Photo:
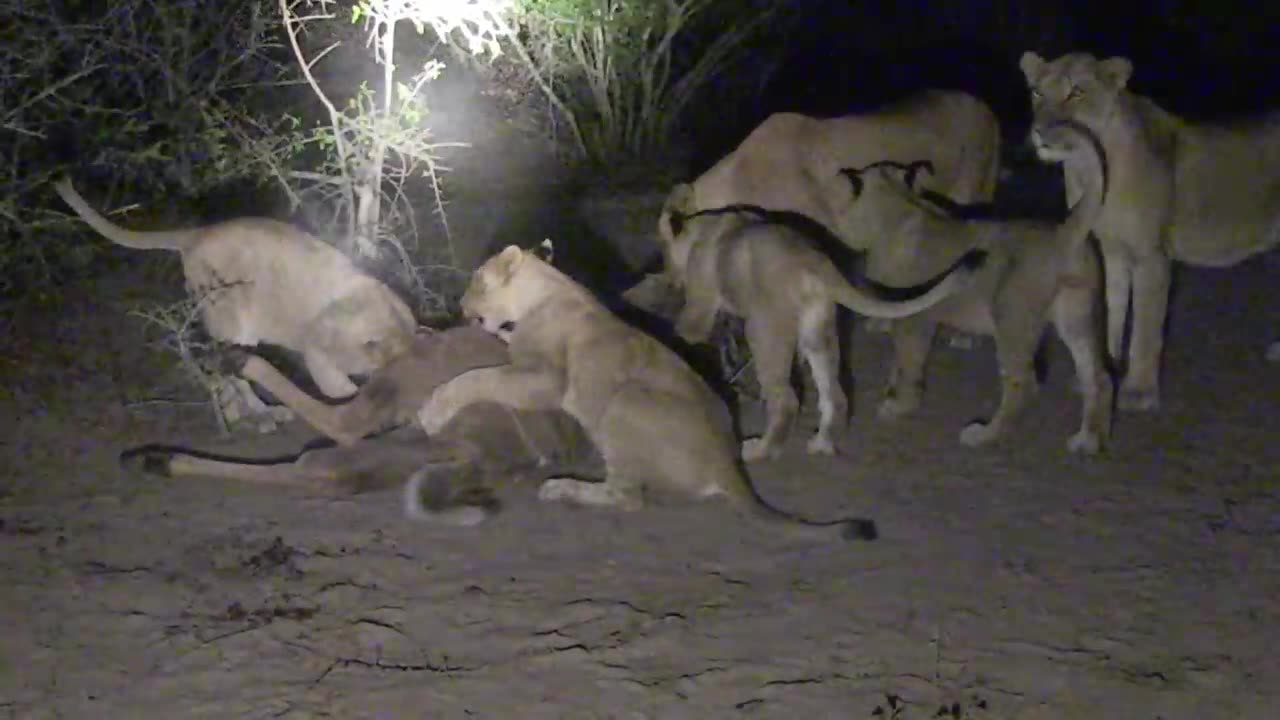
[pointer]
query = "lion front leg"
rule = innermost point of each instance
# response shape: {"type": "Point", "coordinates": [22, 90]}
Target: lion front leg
{"type": "Point", "coordinates": [912, 337]}
{"type": "Point", "coordinates": [1140, 389]}
{"type": "Point", "coordinates": [513, 387]}
{"type": "Point", "coordinates": [698, 317]}
{"type": "Point", "coordinates": [1016, 345]}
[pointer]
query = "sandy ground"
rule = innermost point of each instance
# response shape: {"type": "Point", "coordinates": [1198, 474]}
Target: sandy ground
{"type": "Point", "coordinates": [1010, 582]}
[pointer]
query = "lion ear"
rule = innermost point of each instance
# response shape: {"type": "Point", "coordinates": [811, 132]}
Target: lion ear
{"type": "Point", "coordinates": [545, 251]}
{"type": "Point", "coordinates": [680, 200]}
{"type": "Point", "coordinates": [508, 261]}
{"type": "Point", "coordinates": [1115, 71]}
{"type": "Point", "coordinates": [1031, 64]}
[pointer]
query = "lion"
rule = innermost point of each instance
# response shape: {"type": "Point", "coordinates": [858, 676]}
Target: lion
{"type": "Point", "coordinates": [1037, 271]}
{"type": "Point", "coordinates": [656, 423]}
{"type": "Point", "coordinates": [785, 163]}
{"type": "Point", "coordinates": [730, 259]}
{"type": "Point", "coordinates": [263, 281]}
{"type": "Point", "coordinates": [1203, 194]}
{"type": "Point", "coordinates": [448, 479]}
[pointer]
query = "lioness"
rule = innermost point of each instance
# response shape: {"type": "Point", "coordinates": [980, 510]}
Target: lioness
{"type": "Point", "coordinates": [656, 423]}
{"type": "Point", "coordinates": [1202, 194]}
{"type": "Point", "coordinates": [1036, 271]}
{"type": "Point", "coordinates": [263, 281]}
{"type": "Point", "coordinates": [449, 478]}
{"type": "Point", "coordinates": [740, 260]}
{"type": "Point", "coordinates": [785, 163]}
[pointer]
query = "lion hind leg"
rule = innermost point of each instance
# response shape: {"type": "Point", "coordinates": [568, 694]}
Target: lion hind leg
{"type": "Point", "coordinates": [773, 347]}
{"type": "Point", "coordinates": [820, 347]}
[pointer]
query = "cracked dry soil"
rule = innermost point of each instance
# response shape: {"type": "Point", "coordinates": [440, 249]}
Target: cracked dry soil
{"type": "Point", "coordinates": [1014, 581]}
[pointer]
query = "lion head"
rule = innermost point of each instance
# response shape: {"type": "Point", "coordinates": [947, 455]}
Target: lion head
{"type": "Point", "coordinates": [507, 286]}
{"type": "Point", "coordinates": [1076, 86]}
{"type": "Point", "coordinates": [365, 329]}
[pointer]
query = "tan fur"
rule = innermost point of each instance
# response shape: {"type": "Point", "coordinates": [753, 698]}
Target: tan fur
{"type": "Point", "coordinates": [1202, 194]}
{"type": "Point", "coordinates": [449, 479]}
{"type": "Point", "coordinates": [785, 163]}
{"type": "Point", "coordinates": [1036, 271]}
{"type": "Point", "coordinates": [263, 281]}
{"type": "Point", "coordinates": [785, 289]}
{"type": "Point", "coordinates": [656, 423]}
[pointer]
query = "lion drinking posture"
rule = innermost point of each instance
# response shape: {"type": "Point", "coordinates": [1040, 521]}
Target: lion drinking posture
{"type": "Point", "coordinates": [1036, 271]}
{"type": "Point", "coordinates": [656, 423]}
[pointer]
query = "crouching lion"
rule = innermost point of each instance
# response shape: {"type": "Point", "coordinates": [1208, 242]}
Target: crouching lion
{"type": "Point", "coordinates": [1203, 194]}
{"type": "Point", "coordinates": [263, 281]}
{"type": "Point", "coordinates": [760, 267]}
{"type": "Point", "coordinates": [1036, 271]}
{"type": "Point", "coordinates": [657, 425]}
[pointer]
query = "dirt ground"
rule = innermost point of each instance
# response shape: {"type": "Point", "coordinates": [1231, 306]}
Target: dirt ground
{"type": "Point", "coordinates": [1015, 581]}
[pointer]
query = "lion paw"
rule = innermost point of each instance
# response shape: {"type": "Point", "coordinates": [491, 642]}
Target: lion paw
{"type": "Point", "coordinates": [434, 415]}
{"type": "Point", "coordinates": [1139, 399]}
{"type": "Point", "coordinates": [755, 450]}
{"type": "Point", "coordinates": [1084, 442]}
{"type": "Point", "coordinates": [879, 325]}
{"type": "Point", "coordinates": [557, 489]}
{"type": "Point", "coordinates": [821, 445]}
{"type": "Point", "coordinates": [977, 433]}
{"type": "Point", "coordinates": [892, 408]}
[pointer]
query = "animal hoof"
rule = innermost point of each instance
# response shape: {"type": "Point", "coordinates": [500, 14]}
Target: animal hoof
{"type": "Point", "coordinates": [1273, 352]}
{"type": "Point", "coordinates": [556, 489]}
{"type": "Point", "coordinates": [820, 445]}
{"type": "Point", "coordinates": [977, 433]}
{"type": "Point", "coordinates": [1139, 400]}
{"type": "Point", "coordinates": [755, 450]}
{"type": "Point", "coordinates": [1083, 442]}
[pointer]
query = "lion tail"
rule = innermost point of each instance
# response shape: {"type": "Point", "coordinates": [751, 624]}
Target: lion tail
{"type": "Point", "coordinates": [749, 502]}
{"type": "Point", "coordinates": [158, 240]}
{"type": "Point", "coordinates": [432, 498]}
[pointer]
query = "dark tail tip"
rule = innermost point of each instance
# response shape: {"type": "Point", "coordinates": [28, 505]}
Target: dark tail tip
{"type": "Point", "coordinates": [146, 460]}
{"type": "Point", "coordinates": [974, 259]}
{"type": "Point", "coordinates": [860, 529]}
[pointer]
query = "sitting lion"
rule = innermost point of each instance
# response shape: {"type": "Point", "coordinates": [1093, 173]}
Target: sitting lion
{"type": "Point", "coordinates": [263, 281]}
{"type": "Point", "coordinates": [1202, 194]}
{"type": "Point", "coordinates": [757, 266]}
{"type": "Point", "coordinates": [656, 423]}
{"type": "Point", "coordinates": [1036, 271]}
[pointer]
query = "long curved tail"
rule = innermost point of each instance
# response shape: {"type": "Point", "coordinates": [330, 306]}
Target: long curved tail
{"type": "Point", "coordinates": [954, 279]}
{"type": "Point", "coordinates": [431, 497]}
{"type": "Point", "coordinates": [138, 240]}
{"type": "Point", "coordinates": [749, 502]}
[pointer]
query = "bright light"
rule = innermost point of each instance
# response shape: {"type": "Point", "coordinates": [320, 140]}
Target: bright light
{"type": "Point", "coordinates": [479, 23]}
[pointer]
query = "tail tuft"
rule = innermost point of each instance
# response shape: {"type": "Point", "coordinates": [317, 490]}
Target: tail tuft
{"type": "Point", "coordinates": [147, 460]}
{"type": "Point", "coordinates": [860, 529]}
{"type": "Point", "coordinates": [973, 260]}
